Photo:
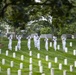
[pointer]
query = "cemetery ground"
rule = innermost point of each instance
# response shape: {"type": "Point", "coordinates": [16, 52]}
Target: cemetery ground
{"type": "Point", "coordinates": [37, 62]}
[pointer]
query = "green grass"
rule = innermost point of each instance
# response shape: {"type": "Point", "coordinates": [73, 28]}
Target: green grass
{"type": "Point", "coordinates": [51, 53]}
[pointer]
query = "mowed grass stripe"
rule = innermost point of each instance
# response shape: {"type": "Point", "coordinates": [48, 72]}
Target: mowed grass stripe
{"type": "Point", "coordinates": [51, 54]}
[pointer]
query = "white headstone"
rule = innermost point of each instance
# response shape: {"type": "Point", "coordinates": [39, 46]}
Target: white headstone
{"type": "Point", "coordinates": [3, 61]}
{"type": "Point", "coordinates": [14, 55]}
{"type": "Point", "coordinates": [74, 52]}
{"type": "Point", "coordinates": [15, 48]}
{"type": "Point", "coordinates": [21, 65]}
{"type": "Point", "coordinates": [30, 73]}
{"type": "Point", "coordinates": [46, 57]}
{"type": "Point", "coordinates": [72, 36]}
{"type": "Point", "coordinates": [71, 68]}
{"type": "Point", "coordinates": [49, 65]}
{"type": "Point", "coordinates": [30, 53]}
{"type": "Point", "coordinates": [19, 72]}
{"type": "Point", "coordinates": [56, 59]}
{"type": "Point", "coordinates": [70, 44]}
{"type": "Point", "coordinates": [74, 63]}
{"type": "Point", "coordinates": [7, 53]}
{"type": "Point", "coordinates": [11, 63]}
{"type": "Point", "coordinates": [39, 63]}
{"type": "Point", "coordinates": [22, 57]}
{"type": "Point", "coordinates": [65, 61]}
{"type": "Point", "coordinates": [52, 71]}
{"type": "Point", "coordinates": [50, 44]}
{"type": "Point", "coordinates": [43, 74]}
{"type": "Point", "coordinates": [0, 51]}
{"type": "Point", "coordinates": [60, 66]}
{"type": "Point", "coordinates": [8, 71]}
{"type": "Point", "coordinates": [38, 55]}
{"type": "Point", "coordinates": [30, 60]}
{"type": "Point", "coordinates": [66, 49]}
{"type": "Point", "coordinates": [40, 69]}
{"type": "Point", "coordinates": [64, 72]}
{"type": "Point", "coordinates": [30, 67]}
{"type": "Point", "coordinates": [58, 47]}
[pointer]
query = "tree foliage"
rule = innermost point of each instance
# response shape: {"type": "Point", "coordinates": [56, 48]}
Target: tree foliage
{"type": "Point", "coordinates": [19, 12]}
{"type": "Point", "coordinates": [45, 30]}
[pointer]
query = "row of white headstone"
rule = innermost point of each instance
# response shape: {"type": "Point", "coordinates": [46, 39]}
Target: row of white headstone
{"type": "Point", "coordinates": [40, 65]}
{"type": "Point", "coordinates": [9, 71]}
{"type": "Point", "coordinates": [30, 54]}
{"type": "Point", "coordinates": [58, 46]}
{"type": "Point", "coordinates": [38, 55]}
{"type": "Point", "coordinates": [40, 68]}
{"type": "Point", "coordinates": [52, 72]}
{"type": "Point", "coordinates": [30, 73]}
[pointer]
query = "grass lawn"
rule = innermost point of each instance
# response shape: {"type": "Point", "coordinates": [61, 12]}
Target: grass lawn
{"type": "Point", "coordinates": [51, 53]}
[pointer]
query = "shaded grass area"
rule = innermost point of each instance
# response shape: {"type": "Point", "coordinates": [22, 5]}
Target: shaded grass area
{"type": "Point", "coordinates": [51, 54]}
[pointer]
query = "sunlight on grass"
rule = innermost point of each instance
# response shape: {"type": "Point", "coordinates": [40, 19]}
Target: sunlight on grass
{"type": "Point", "coordinates": [60, 54]}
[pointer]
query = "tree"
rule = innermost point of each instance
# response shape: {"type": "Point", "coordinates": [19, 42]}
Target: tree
{"type": "Point", "coordinates": [45, 30]}
{"type": "Point", "coordinates": [1, 33]}
{"type": "Point", "coordinates": [18, 12]}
